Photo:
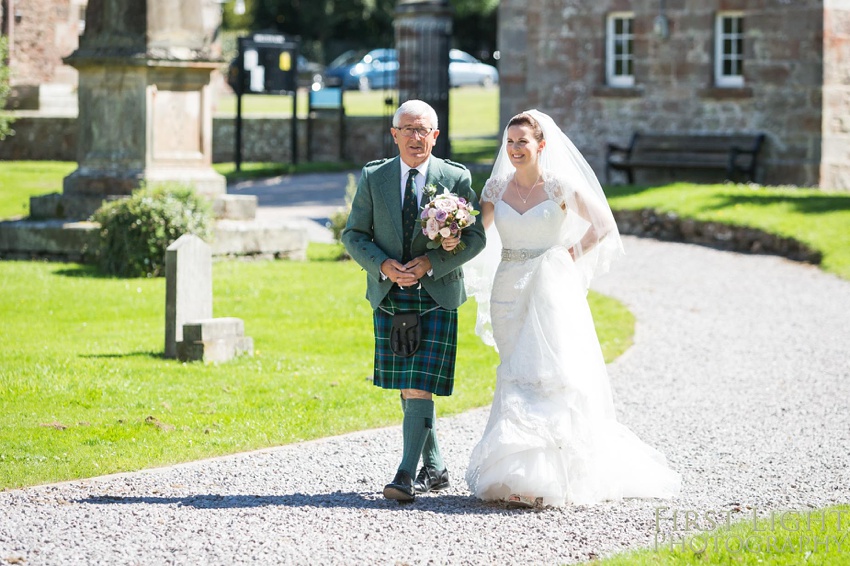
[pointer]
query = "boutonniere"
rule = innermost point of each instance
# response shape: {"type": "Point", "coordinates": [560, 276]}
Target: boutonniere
{"type": "Point", "coordinates": [430, 191]}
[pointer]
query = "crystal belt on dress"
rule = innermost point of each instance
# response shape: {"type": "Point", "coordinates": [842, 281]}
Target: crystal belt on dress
{"type": "Point", "coordinates": [521, 254]}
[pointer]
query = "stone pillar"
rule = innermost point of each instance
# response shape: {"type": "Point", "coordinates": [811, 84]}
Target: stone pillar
{"type": "Point", "coordinates": [188, 287]}
{"type": "Point", "coordinates": [145, 101]}
{"type": "Point", "coordinates": [423, 31]}
{"type": "Point", "coordinates": [835, 150]}
{"type": "Point", "coordinates": [514, 91]}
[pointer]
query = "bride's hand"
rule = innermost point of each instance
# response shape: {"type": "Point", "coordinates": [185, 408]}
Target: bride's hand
{"type": "Point", "coordinates": [450, 243]}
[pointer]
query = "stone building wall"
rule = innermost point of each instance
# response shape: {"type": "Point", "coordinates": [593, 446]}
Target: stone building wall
{"type": "Point", "coordinates": [35, 53]}
{"type": "Point", "coordinates": [39, 137]}
{"type": "Point", "coordinates": [43, 32]}
{"type": "Point", "coordinates": [553, 58]}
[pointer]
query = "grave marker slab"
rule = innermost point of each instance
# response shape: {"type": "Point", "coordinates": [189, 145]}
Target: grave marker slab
{"type": "Point", "coordinates": [188, 287]}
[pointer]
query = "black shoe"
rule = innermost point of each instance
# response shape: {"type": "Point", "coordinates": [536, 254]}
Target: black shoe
{"type": "Point", "coordinates": [429, 479]}
{"type": "Point", "coordinates": [401, 488]}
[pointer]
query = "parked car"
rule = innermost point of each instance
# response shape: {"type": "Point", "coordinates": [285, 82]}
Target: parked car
{"type": "Point", "coordinates": [378, 69]}
{"type": "Point", "coordinates": [464, 69]}
{"type": "Point", "coordinates": [309, 73]}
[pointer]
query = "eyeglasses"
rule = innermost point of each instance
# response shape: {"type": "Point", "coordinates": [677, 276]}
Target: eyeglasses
{"type": "Point", "coordinates": [408, 131]}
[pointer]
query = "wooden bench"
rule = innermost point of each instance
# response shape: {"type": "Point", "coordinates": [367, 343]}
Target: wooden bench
{"type": "Point", "coordinates": [733, 153]}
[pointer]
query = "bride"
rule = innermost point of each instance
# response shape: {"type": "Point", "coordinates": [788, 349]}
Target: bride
{"type": "Point", "coordinates": [552, 437]}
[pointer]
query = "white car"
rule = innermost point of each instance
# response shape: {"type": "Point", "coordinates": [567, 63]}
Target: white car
{"type": "Point", "coordinates": [464, 69]}
{"type": "Point", "coordinates": [378, 69]}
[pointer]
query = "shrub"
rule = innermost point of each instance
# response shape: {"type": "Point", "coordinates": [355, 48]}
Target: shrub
{"type": "Point", "coordinates": [134, 232]}
{"type": "Point", "coordinates": [338, 219]}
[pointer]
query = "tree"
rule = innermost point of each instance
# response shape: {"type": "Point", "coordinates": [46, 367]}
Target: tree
{"type": "Point", "coordinates": [479, 22]}
{"type": "Point", "coordinates": [330, 27]}
{"type": "Point", "coordinates": [5, 119]}
{"type": "Point", "coordinates": [230, 20]}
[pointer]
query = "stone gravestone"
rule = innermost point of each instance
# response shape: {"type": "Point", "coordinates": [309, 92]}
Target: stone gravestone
{"type": "Point", "coordinates": [214, 340]}
{"type": "Point", "coordinates": [190, 331]}
{"type": "Point", "coordinates": [188, 287]}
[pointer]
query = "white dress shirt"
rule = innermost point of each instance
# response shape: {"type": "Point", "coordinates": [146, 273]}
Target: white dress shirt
{"type": "Point", "coordinates": [419, 180]}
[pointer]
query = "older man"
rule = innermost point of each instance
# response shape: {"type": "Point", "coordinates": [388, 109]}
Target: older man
{"type": "Point", "coordinates": [414, 291]}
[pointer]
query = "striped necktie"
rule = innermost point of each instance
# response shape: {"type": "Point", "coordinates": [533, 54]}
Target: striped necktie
{"type": "Point", "coordinates": [409, 214]}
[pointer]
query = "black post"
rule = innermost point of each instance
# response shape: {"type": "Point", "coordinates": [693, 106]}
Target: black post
{"type": "Point", "coordinates": [341, 125]}
{"type": "Point", "coordinates": [311, 116]}
{"type": "Point", "coordinates": [295, 126]}
{"type": "Point", "coordinates": [238, 156]}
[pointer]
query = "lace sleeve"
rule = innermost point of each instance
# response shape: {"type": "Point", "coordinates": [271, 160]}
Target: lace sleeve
{"type": "Point", "coordinates": [559, 190]}
{"type": "Point", "coordinates": [493, 189]}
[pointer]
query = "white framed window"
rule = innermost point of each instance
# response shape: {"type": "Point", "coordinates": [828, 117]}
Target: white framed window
{"type": "Point", "coordinates": [729, 49]}
{"type": "Point", "coordinates": [619, 49]}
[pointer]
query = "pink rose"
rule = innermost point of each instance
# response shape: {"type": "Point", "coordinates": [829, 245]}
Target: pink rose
{"type": "Point", "coordinates": [432, 228]}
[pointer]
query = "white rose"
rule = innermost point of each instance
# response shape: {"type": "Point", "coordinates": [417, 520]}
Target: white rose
{"type": "Point", "coordinates": [446, 204]}
{"type": "Point", "coordinates": [432, 228]}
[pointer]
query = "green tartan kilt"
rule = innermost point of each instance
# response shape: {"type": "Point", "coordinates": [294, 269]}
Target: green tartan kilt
{"type": "Point", "coordinates": [432, 367]}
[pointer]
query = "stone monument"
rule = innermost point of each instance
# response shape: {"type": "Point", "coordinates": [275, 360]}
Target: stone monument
{"type": "Point", "coordinates": [145, 116]}
{"type": "Point", "coordinates": [145, 106]}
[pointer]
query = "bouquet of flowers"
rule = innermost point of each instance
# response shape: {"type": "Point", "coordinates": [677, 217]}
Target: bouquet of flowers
{"type": "Point", "coordinates": [444, 216]}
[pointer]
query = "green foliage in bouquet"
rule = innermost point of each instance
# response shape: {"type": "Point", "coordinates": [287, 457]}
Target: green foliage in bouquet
{"type": "Point", "coordinates": [134, 232]}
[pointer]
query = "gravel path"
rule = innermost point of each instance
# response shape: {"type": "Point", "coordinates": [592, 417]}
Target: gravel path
{"type": "Point", "coordinates": [739, 373]}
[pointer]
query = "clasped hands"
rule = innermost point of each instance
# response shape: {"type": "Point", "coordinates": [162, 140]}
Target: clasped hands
{"type": "Point", "coordinates": [409, 274]}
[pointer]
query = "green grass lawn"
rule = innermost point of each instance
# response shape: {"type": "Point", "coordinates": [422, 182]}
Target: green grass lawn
{"type": "Point", "coordinates": [780, 538]}
{"type": "Point", "coordinates": [19, 180]}
{"type": "Point", "coordinates": [473, 111]}
{"type": "Point", "coordinates": [816, 218]}
{"type": "Point", "coordinates": [475, 150]}
{"type": "Point", "coordinates": [84, 390]}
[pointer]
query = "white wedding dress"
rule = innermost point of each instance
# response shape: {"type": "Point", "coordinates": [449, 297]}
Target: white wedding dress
{"type": "Point", "coordinates": [552, 432]}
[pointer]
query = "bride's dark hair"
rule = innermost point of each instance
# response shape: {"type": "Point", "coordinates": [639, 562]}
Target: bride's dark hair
{"type": "Point", "coordinates": [526, 119]}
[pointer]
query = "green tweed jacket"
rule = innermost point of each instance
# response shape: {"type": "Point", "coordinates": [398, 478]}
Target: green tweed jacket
{"type": "Point", "coordinates": [374, 230]}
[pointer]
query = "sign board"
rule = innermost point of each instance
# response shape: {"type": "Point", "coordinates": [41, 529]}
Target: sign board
{"type": "Point", "coordinates": [268, 64]}
{"type": "Point", "coordinates": [328, 97]}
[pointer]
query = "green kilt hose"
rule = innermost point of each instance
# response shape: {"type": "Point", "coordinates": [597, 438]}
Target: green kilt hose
{"type": "Point", "coordinates": [432, 366]}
